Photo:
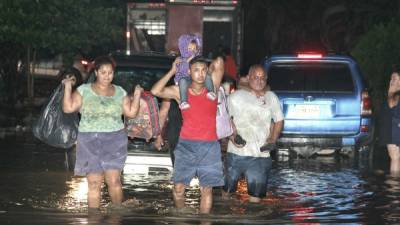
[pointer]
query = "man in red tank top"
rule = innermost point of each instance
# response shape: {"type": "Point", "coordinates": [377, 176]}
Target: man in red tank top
{"type": "Point", "coordinates": [197, 152]}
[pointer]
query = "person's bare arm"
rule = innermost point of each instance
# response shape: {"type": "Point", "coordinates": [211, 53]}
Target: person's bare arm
{"type": "Point", "coordinates": [393, 97]}
{"type": "Point", "coordinates": [217, 71]}
{"type": "Point", "coordinates": [232, 137]}
{"type": "Point", "coordinates": [165, 105]}
{"type": "Point", "coordinates": [160, 89]}
{"type": "Point", "coordinates": [72, 101]}
{"type": "Point", "coordinates": [276, 130]}
{"type": "Point", "coordinates": [131, 104]}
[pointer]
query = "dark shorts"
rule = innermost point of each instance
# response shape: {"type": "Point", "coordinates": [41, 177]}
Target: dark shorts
{"type": "Point", "coordinates": [389, 129]}
{"type": "Point", "coordinates": [396, 131]}
{"type": "Point", "coordinates": [201, 159]}
{"type": "Point", "coordinates": [97, 152]}
{"type": "Point", "coordinates": [255, 169]}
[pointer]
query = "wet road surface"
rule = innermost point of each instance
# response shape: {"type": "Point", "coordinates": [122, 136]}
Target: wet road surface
{"type": "Point", "coordinates": [35, 188]}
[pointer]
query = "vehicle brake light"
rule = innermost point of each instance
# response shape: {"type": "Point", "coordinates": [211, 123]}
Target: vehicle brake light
{"type": "Point", "coordinates": [364, 128]}
{"type": "Point", "coordinates": [309, 56]}
{"type": "Point", "coordinates": [366, 104]}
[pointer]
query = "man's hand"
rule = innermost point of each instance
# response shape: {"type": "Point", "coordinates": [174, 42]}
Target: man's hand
{"type": "Point", "coordinates": [216, 64]}
{"type": "Point", "coordinates": [237, 141]}
{"type": "Point", "coordinates": [160, 88]}
{"type": "Point", "coordinates": [216, 70]}
{"type": "Point", "coordinates": [267, 147]}
{"type": "Point", "coordinates": [174, 65]}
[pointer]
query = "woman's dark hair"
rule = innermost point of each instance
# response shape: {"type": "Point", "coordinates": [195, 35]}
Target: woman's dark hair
{"type": "Point", "coordinates": [103, 60]}
{"type": "Point", "coordinates": [71, 71]}
{"type": "Point", "coordinates": [395, 68]}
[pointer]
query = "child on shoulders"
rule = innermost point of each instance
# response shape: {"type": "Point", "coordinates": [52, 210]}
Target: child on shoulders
{"type": "Point", "coordinates": [189, 47]}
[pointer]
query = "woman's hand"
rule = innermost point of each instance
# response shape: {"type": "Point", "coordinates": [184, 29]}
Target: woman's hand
{"type": "Point", "coordinates": [138, 91]}
{"type": "Point", "coordinates": [131, 103]}
{"type": "Point", "coordinates": [69, 81]}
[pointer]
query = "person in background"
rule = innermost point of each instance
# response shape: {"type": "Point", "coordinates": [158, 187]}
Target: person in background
{"type": "Point", "coordinates": [198, 151]}
{"type": "Point", "coordinates": [390, 126]}
{"type": "Point", "coordinates": [171, 123]}
{"type": "Point", "coordinates": [252, 111]}
{"type": "Point", "coordinates": [102, 140]}
{"type": "Point", "coordinates": [230, 64]}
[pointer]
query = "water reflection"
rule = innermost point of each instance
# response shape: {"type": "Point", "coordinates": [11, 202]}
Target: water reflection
{"type": "Point", "coordinates": [76, 197]}
{"type": "Point", "coordinates": [111, 219]}
{"type": "Point", "coordinates": [389, 196]}
{"type": "Point", "coordinates": [319, 190]}
{"type": "Point", "coordinates": [36, 189]}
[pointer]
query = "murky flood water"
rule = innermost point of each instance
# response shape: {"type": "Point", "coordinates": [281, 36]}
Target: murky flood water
{"type": "Point", "coordinates": [35, 188]}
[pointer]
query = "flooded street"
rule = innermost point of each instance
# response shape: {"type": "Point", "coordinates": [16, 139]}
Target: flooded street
{"type": "Point", "coordinates": [36, 188]}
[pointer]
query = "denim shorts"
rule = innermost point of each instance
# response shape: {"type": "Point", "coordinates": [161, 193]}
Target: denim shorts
{"type": "Point", "coordinates": [255, 169]}
{"type": "Point", "coordinates": [201, 159]}
{"type": "Point", "coordinates": [97, 152]}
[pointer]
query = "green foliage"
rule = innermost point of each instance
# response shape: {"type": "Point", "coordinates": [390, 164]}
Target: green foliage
{"type": "Point", "coordinates": [46, 28]}
{"type": "Point", "coordinates": [376, 53]}
{"type": "Point", "coordinates": [61, 26]}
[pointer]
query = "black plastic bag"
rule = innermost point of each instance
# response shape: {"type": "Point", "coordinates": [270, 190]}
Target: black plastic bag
{"type": "Point", "coordinates": [54, 127]}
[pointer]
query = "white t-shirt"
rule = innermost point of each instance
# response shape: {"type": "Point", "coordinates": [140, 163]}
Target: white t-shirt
{"type": "Point", "coordinates": [252, 116]}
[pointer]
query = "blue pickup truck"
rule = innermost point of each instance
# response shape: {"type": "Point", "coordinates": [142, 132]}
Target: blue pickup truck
{"type": "Point", "coordinates": [325, 101]}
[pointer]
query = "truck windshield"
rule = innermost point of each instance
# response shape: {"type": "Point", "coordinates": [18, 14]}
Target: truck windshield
{"type": "Point", "coordinates": [310, 77]}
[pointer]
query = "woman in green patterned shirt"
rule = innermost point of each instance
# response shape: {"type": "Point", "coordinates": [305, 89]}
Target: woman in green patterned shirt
{"type": "Point", "coordinates": [102, 140]}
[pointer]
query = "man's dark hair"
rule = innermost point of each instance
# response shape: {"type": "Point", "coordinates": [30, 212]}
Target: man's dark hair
{"type": "Point", "coordinates": [198, 59]}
